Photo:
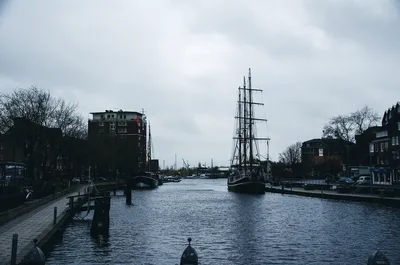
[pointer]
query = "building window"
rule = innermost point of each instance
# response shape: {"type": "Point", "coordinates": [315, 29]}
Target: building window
{"type": "Point", "coordinates": [120, 116]}
{"type": "Point", "coordinates": [124, 116]}
{"type": "Point", "coordinates": [382, 146]}
{"type": "Point", "coordinates": [397, 140]}
{"type": "Point", "coordinates": [376, 147]}
{"type": "Point", "coordinates": [102, 116]}
{"type": "Point", "coordinates": [371, 148]}
{"type": "Point", "coordinates": [108, 116]}
{"type": "Point", "coordinates": [122, 130]}
{"type": "Point", "coordinates": [122, 123]}
{"type": "Point", "coordinates": [386, 146]}
{"type": "Point", "coordinates": [112, 116]}
{"type": "Point", "coordinates": [101, 123]}
{"type": "Point", "coordinates": [398, 126]}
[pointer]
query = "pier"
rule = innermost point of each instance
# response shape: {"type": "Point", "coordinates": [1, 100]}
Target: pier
{"type": "Point", "coordinates": [330, 194]}
{"type": "Point", "coordinates": [39, 224]}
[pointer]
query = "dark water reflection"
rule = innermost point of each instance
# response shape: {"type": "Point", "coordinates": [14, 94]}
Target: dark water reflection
{"type": "Point", "coordinates": [230, 228]}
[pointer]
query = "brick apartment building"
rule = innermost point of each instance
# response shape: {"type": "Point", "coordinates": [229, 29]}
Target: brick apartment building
{"type": "Point", "coordinates": [325, 156]}
{"type": "Point", "coordinates": [117, 143]}
{"type": "Point", "coordinates": [384, 149]}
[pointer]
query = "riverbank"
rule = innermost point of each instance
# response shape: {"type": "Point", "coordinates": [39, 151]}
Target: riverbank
{"type": "Point", "coordinates": [327, 194]}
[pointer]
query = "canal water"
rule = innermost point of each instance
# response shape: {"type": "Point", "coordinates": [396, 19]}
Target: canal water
{"type": "Point", "coordinates": [230, 228]}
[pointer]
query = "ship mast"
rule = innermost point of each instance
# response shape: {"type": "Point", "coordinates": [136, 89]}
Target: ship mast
{"type": "Point", "coordinates": [250, 122]}
{"type": "Point", "coordinates": [240, 128]}
{"type": "Point", "coordinates": [149, 150]}
{"type": "Point", "coordinates": [244, 124]}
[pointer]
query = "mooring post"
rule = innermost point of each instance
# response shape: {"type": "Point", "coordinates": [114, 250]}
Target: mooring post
{"type": "Point", "coordinates": [128, 195]}
{"type": "Point", "coordinates": [106, 216]}
{"type": "Point", "coordinates": [55, 216]}
{"type": "Point", "coordinates": [14, 249]}
{"type": "Point", "coordinates": [71, 202]}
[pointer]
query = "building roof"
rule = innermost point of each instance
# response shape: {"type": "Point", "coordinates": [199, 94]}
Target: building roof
{"type": "Point", "coordinates": [328, 141]}
{"type": "Point", "coordinates": [117, 112]}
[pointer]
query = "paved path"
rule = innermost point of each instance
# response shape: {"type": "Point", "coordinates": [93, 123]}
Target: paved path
{"type": "Point", "coordinates": [30, 226]}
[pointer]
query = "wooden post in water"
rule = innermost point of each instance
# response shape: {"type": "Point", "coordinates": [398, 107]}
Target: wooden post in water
{"type": "Point", "coordinates": [128, 195]}
{"type": "Point", "coordinates": [14, 249]}
{"type": "Point", "coordinates": [101, 216]}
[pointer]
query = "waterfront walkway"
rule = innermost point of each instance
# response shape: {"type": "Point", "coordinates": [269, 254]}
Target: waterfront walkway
{"type": "Point", "coordinates": [35, 224]}
{"type": "Point", "coordinates": [330, 194]}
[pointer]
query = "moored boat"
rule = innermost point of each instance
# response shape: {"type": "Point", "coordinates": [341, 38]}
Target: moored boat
{"type": "Point", "coordinates": [144, 180]}
{"type": "Point", "coordinates": [247, 173]}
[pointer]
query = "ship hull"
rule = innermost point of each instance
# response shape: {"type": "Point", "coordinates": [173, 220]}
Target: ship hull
{"type": "Point", "coordinates": [143, 182]}
{"type": "Point", "coordinates": [247, 186]}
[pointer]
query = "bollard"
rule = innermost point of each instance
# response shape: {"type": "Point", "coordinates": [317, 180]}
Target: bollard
{"type": "Point", "coordinates": [55, 216]}
{"type": "Point", "coordinates": [14, 249]}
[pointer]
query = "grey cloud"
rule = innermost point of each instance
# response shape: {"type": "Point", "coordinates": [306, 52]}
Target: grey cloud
{"type": "Point", "coordinates": [182, 63]}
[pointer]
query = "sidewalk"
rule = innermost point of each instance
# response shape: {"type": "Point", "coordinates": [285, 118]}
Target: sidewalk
{"type": "Point", "coordinates": [30, 226]}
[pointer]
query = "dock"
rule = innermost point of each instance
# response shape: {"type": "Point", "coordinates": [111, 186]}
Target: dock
{"type": "Point", "coordinates": [330, 194]}
{"type": "Point", "coordinates": [39, 224]}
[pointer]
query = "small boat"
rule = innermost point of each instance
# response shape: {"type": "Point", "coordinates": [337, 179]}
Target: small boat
{"type": "Point", "coordinates": [144, 180]}
{"type": "Point", "coordinates": [189, 256]}
{"type": "Point", "coordinates": [171, 179]}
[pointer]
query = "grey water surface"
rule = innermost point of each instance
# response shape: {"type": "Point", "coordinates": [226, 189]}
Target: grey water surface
{"type": "Point", "coordinates": [231, 228]}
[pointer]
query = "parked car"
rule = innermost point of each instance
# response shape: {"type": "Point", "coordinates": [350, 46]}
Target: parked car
{"type": "Point", "coordinates": [364, 180]}
{"type": "Point", "coordinates": [346, 181]}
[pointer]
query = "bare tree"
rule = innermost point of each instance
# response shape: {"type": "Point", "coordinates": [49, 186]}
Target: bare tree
{"type": "Point", "coordinates": [291, 155]}
{"type": "Point", "coordinates": [345, 127]}
{"type": "Point", "coordinates": [340, 127]}
{"type": "Point", "coordinates": [39, 107]}
{"type": "Point", "coordinates": [364, 118]}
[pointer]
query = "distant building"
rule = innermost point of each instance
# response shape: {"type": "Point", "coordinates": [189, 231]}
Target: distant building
{"type": "Point", "coordinates": [117, 141]}
{"type": "Point", "coordinates": [33, 144]}
{"type": "Point", "coordinates": [361, 155]}
{"type": "Point", "coordinates": [384, 149]}
{"type": "Point", "coordinates": [325, 155]}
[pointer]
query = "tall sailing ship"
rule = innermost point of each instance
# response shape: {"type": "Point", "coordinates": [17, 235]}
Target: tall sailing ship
{"type": "Point", "coordinates": [248, 175]}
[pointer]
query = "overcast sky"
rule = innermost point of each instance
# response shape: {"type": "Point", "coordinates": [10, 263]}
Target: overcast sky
{"type": "Point", "coordinates": [182, 61]}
